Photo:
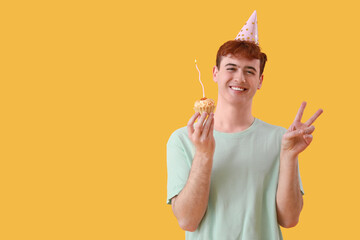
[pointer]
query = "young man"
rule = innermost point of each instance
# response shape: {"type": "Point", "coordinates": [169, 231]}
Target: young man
{"type": "Point", "coordinates": [237, 177]}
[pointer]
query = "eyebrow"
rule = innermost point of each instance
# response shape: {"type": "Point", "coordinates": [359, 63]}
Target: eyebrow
{"type": "Point", "coordinates": [232, 64]}
{"type": "Point", "coordinates": [251, 68]}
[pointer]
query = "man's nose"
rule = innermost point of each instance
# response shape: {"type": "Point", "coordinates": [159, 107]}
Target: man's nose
{"type": "Point", "coordinates": [240, 77]}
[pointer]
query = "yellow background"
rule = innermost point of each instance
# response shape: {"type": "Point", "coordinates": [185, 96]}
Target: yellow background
{"type": "Point", "coordinates": [91, 90]}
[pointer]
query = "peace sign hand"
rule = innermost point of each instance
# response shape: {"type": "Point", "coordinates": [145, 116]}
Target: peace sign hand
{"type": "Point", "coordinates": [299, 135]}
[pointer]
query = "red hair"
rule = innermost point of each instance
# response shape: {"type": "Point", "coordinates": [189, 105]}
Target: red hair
{"type": "Point", "coordinates": [245, 49]}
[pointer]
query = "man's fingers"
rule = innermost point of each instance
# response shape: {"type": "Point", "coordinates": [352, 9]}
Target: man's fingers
{"type": "Point", "coordinates": [299, 132]}
{"type": "Point", "coordinates": [190, 125]}
{"type": "Point", "coordinates": [300, 112]}
{"type": "Point", "coordinates": [211, 131]}
{"type": "Point", "coordinates": [295, 133]}
{"type": "Point", "coordinates": [207, 126]}
{"type": "Point", "coordinates": [199, 124]}
{"type": "Point", "coordinates": [308, 138]}
{"type": "Point", "coordinates": [309, 130]}
{"type": "Point", "coordinates": [291, 128]}
{"type": "Point", "coordinates": [314, 117]}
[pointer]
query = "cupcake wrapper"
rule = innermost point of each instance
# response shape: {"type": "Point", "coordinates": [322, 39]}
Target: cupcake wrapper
{"type": "Point", "coordinates": [208, 109]}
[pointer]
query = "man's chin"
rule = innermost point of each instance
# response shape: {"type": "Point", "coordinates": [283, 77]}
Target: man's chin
{"type": "Point", "coordinates": [236, 101]}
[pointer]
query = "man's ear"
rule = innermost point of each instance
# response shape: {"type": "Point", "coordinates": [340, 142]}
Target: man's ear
{"type": "Point", "coordinates": [261, 81]}
{"type": "Point", "coordinates": [215, 72]}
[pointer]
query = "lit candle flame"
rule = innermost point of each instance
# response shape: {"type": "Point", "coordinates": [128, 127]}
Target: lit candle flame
{"type": "Point", "coordinates": [200, 79]}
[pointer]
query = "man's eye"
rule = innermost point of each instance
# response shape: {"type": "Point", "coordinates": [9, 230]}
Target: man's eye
{"type": "Point", "coordinates": [231, 69]}
{"type": "Point", "coordinates": [250, 72]}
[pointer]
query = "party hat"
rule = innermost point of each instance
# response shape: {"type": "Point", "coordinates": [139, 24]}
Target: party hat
{"type": "Point", "coordinates": [249, 31]}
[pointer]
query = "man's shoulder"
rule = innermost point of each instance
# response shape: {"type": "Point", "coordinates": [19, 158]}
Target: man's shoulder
{"type": "Point", "coordinates": [178, 135]}
{"type": "Point", "coordinates": [270, 127]}
{"type": "Point", "coordinates": [180, 132]}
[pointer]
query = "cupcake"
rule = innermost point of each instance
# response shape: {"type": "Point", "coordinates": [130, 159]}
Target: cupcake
{"type": "Point", "coordinates": [204, 105]}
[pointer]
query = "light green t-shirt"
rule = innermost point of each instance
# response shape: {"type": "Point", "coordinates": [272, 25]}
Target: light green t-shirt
{"type": "Point", "coordinates": [243, 182]}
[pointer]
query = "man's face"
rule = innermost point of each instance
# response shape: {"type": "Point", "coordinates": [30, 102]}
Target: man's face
{"type": "Point", "coordinates": [238, 79]}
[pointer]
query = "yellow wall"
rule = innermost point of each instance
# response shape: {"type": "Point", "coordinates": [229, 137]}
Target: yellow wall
{"type": "Point", "coordinates": [91, 90]}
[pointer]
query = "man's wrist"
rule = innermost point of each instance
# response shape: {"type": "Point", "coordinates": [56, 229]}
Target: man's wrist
{"type": "Point", "coordinates": [204, 155]}
{"type": "Point", "coordinates": [288, 156]}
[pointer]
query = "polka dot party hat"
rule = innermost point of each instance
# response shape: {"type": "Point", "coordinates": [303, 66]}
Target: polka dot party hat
{"type": "Point", "coordinates": [249, 31]}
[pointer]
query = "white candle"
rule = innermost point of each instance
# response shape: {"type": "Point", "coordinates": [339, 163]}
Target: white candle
{"type": "Point", "coordinates": [200, 79]}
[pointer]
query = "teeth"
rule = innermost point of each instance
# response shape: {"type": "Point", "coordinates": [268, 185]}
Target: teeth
{"type": "Point", "coordinates": [238, 89]}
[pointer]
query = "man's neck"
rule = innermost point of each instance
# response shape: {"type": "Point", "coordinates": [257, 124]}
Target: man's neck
{"type": "Point", "coordinates": [232, 118]}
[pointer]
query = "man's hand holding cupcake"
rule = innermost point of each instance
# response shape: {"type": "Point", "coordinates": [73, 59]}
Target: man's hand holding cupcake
{"type": "Point", "coordinates": [201, 133]}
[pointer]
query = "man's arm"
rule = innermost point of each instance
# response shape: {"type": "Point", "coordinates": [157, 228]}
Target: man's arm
{"type": "Point", "coordinates": [289, 200]}
{"type": "Point", "coordinates": [298, 137]}
{"type": "Point", "coordinates": [190, 205]}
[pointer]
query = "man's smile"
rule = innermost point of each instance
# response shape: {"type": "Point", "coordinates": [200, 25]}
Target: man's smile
{"type": "Point", "coordinates": [240, 89]}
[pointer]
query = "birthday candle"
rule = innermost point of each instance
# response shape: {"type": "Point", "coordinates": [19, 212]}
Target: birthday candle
{"type": "Point", "coordinates": [200, 79]}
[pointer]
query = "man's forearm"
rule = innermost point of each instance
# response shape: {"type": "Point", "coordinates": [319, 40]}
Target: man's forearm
{"type": "Point", "coordinates": [289, 199]}
{"type": "Point", "coordinates": [190, 205]}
